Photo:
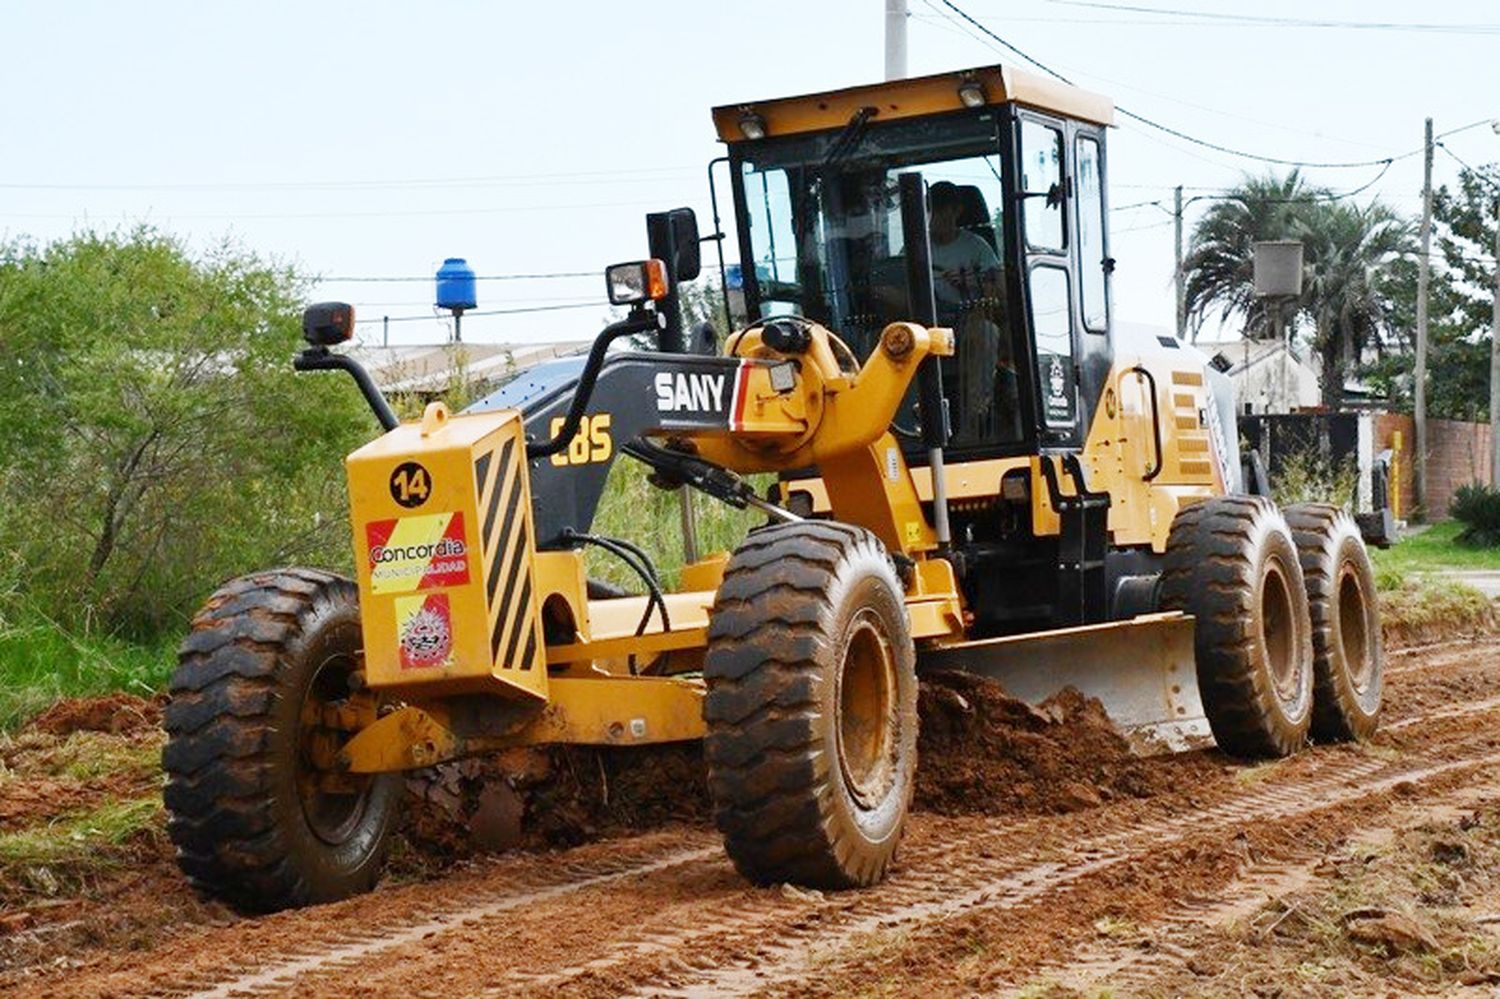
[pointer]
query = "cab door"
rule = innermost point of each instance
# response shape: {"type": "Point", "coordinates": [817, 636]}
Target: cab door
{"type": "Point", "coordinates": [1049, 277]}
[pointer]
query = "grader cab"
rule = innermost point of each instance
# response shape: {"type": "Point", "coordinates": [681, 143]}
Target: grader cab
{"type": "Point", "coordinates": [975, 469]}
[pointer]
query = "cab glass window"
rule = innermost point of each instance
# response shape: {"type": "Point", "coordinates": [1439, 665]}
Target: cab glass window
{"type": "Point", "coordinates": [825, 241]}
{"type": "Point", "coordinates": [1042, 185]}
{"type": "Point", "coordinates": [1091, 234]}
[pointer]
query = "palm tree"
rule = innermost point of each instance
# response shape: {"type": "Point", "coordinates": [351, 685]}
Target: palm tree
{"type": "Point", "coordinates": [1220, 263]}
{"type": "Point", "coordinates": [1347, 250]}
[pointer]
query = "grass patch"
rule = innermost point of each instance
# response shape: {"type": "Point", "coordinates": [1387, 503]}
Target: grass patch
{"type": "Point", "coordinates": [633, 509]}
{"type": "Point", "coordinates": [1433, 550]}
{"type": "Point", "coordinates": [79, 839]}
{"type": "Point", "coordinates": [40, 662]}
{"type": "Point", "coordinates": [81, 756]}
{"type": "Point", "coordinates": [1415, 609]}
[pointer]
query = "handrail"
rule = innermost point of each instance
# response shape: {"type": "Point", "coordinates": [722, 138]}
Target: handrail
{"type": "Point", "coordinates": [323, 359]}
{"type": "Point", "coordinates": [1155, 421]}
{"type": "Point", "coordinates": [639, 321]}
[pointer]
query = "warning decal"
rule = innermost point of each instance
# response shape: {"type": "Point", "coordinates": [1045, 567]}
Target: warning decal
{"type": "Point", "coordinates": [417, 553]}
{"type": "Point", "coordinates": [424, 626]}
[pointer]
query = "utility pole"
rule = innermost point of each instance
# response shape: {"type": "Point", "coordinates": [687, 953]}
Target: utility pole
{"type": "Point", "coordinates": [1419, 388]}
{"type": "Point", "coordinates": [895, 39]}
{"type": "Point", "coordinates": [1495, 360]}
{"type": "Point", "coordinates": [1181, 278]}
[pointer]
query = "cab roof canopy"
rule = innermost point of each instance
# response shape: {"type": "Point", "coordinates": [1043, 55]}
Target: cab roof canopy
{"type": "Point", "coordinates": [913, 97]}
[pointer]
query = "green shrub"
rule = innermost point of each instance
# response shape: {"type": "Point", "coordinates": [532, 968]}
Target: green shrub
{"type": "Point", "coordinates": [1478, 507]}
{"type": "Point", "coordinates": [1306, 477]}
{"type": "Point", "coordinates": [153, 435]}
{"type": "Point", "coordinates": [42, 661]}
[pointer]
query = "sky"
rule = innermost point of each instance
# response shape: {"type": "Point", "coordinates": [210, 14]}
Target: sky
{"type": "Point", "coordinates": [374, 139]}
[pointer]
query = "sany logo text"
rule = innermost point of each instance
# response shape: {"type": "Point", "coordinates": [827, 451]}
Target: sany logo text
{"type": "Point", "coordinates": [693, 393]}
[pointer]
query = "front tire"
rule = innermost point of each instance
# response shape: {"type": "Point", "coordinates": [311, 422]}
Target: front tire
{"type": "Point", "coordinates": [811, 707]}
{"type": "Point", "coordinates": [1232, 564]}
{"type": "Point", "coordinates": [1348, 656]}
{"type": "Point", "coordinates": [262, 697]}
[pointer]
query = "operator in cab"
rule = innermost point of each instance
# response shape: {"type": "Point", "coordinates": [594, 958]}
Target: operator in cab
{"type": "Point", "coordinates": [968, 285]}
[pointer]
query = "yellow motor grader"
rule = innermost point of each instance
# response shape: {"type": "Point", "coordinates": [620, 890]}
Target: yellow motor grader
{"type": "Point", "coordinates": [975, 467]}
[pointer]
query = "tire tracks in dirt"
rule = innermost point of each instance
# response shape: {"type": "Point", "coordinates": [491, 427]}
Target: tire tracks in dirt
{"type": "Point", "coordinates": [736, 941]}
{"type": "Point", "coordinates": [1131, 965]}
{"type": "Point", "coordinates": [968, 888]}
{"type": "Point", "coordinates": [354, 939]}
{"type": "Point", "coordinates": [354, 954]}
{"type": "Point", "coordinates": [719, 946]}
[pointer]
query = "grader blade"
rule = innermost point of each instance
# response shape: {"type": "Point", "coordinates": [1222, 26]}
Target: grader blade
{"type": "Point", "coordinates": [1140, 669]}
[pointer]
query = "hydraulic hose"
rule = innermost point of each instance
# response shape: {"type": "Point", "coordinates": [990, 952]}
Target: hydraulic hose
{"type": "Point", "coordinates": [639, 321]}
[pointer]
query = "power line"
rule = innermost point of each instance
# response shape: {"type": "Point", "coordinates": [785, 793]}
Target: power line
{"type": "Point", "coordinates": [1472, 172]}
{"type": "Point", "coordinates": [939, 18]}
{"type": "Point", "coordinates": [419, 213]}
{"type": "Point", "coordinates": [1178, 133]}
{"type": "Point", "coordinates": [1228, 194]}
{"type": "Point", "coordinates": [482, 312]}
{"type": "Point", "coordinates": [631, 175]}
{"type": "Point", "coordinates": [1194, 21]}
{"type": "Point", "coordinates": [410, 303]}
{"type": "Point", "coordinates": [1253, 20]}
{"type": "Point", "coordinates": [481, 277]}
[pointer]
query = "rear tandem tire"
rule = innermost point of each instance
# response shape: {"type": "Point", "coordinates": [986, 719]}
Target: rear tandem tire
{"type": "Point", "coordinates": [811, 707]}
{"type": "Point", "coordinates": [1232, 564]}
{"type": "Point", "coordinates": [254, 821]}
{"type": "Point", "coordinates": [1348, 656]}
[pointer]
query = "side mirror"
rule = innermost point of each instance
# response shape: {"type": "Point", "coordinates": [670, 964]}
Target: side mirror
{"type": "Point", "coordinates": [674, 238]}
{"type": "Point", "coordinates": [636, 282]}
{"type": "Point", "coordinates": [327, 323]}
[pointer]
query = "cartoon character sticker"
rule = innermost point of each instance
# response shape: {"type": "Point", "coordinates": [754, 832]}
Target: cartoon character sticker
{"type": "Point", "coordinates": [424, 629]}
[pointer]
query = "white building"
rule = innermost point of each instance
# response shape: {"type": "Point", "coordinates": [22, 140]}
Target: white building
{"type": "Point", "coordinates": [1268, 376]}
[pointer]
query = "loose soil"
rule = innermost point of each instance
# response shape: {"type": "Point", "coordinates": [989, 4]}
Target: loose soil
{"type": "Point", "coordinates": [118, 714]}
{"type": "Point", "coordinates": [983, 752]}
{"type": "Point", "coordinates": [1039, 844]}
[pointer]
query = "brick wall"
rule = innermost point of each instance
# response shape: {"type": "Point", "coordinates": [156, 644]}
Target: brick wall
{"type": "Point", "coordinates": [1457, 453]}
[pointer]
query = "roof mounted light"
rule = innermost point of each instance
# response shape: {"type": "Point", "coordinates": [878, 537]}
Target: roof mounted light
{"type": "Point", "coordinates": [752, 125]}
{"type": "Point", "coordinates": [971, 92]}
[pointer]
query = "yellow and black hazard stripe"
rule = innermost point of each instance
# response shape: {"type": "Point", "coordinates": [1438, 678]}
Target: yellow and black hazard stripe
{"type": "Point", "coordinates": [506, 547]}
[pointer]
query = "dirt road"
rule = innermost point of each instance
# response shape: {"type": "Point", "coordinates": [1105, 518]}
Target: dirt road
{"type": "Point", "coordinates": [1222, 873]}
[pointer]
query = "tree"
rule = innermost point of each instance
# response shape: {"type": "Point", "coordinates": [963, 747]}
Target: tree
{"type": "Point", "coordinates": [1220, 262]}
{"type": "Point", "coordinates": [1459, 304]}
{"type": "Point", "coordinates": [1466, 237]}
{"type": "Point", "coordinates": [153, 435]}
{"type": "Point", "coordinates": [1347, 251]}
